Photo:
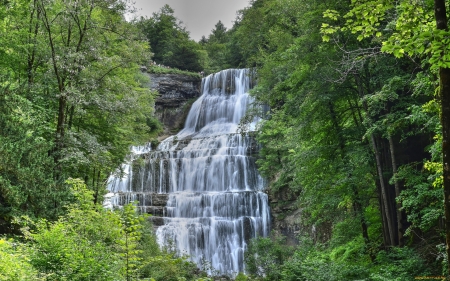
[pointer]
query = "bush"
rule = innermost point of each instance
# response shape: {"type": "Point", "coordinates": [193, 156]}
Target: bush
{"type": "Point", "coordinates": [85, 244]}
{"type": "Point", "coordinates": [162, 70]}
{"type": "Point", "coordinates": [398, 264]}
{"type": "Point", "coordinates": [167, 267]}
{"type": "Point", "coordinates": [265, 256]}
{"type": "Point", "coordinates": [14, 264]}
{"type": "Point", "coordinates": [241, 277]}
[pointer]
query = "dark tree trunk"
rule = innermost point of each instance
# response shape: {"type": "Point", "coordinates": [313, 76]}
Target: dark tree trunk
{"type": "Point", "coordinates": [385, 204]}
{"type": "Point", "coordinates": [97, 188]}
{"type": "Point", "coordinates": [384, 228]}
{"type": "Point", "coordinates": [440, 13]}
{"type": "Point", "coordinates": [33, 32]}
{"type": "Point", "coordinates": [71, 112]}
{"type": "Point", "coordinates": [400, 229]}
{"type": "Point", "coordinates": [384, 193]}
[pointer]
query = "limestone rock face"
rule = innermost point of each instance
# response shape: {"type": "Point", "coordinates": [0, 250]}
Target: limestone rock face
{"type": "Point", "coordinates": [177, 92]}
{"type": "Point", "coordinates": [286, 216]}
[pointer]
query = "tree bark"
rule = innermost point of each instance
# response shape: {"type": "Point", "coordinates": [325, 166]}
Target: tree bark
{"type": "Point", "coordinates": [33, 30]}
{"type": "Point", "coordinates": [384, 192]}
{"type": "Point", "coordinates": [386, 212]}
{"type": "Point", "coordinates": [440, 13]}
{"type": "Point", "coordinates": [400, 229]}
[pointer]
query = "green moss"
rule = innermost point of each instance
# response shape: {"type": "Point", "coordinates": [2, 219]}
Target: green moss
{"type": "Point", "coordinates": [281, 216]}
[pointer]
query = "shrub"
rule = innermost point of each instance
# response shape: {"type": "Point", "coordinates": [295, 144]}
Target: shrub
{"type": "Point", "coordinates": [14, 264]}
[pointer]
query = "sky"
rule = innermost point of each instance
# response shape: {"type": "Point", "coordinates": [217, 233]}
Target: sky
{"type": "Point", "coordinates": [198, 16]}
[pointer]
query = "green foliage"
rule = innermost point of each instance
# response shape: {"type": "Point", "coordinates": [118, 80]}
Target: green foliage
{"type": "Point", "coordinates": [241, 277]}
{"type": "Point", "coordinates": [410, 28]}
{"type": "Point", "coordinates": [422, 201]}
{"type": "Point", "coordinates": [84, 244]}
{"type": "Point", "coordinates": [169, 41]}
{"type": "Point", "coordinates": [92, 243]}
{"type": "Point", "coordinates": [166, 266]}
{"type": "Point", "coordinates": [274, 150]}
{"type": "Point", "coordinates": [163, 70]}
{"type": "Point", "coordinates": [26, 170]}
{"type": "Point", "coordinates": [14, 264]}
{"type": "Point", "coordinates": [72, 100]}
{"type": "Point", "coordinates": [319, 269]}
{"type": "Point", "coordinates": [132, 230]}
{"type": "Point", "coordinates": [398, 264]}
{"type": "Point", "coordinates": [319, 262]}
{"type": "Point", "coordinates": [343, 118]}
{"type": "Point", "coordinates": [217, 47]}
{"type": "Point", "coordinates": [265, 256]}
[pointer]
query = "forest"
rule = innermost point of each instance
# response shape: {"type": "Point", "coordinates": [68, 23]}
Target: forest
{"type": "Point", "coordinates": [356, 133]}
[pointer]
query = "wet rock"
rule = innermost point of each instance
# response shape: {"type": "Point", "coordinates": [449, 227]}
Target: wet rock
{"type": "Point", "coordinates": [160, 199]}
{"type": "Point", "coordinates": [157, 221]}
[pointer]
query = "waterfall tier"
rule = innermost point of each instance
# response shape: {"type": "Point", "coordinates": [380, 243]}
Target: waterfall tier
{"type": "Point", "coordinates": [203, 182]}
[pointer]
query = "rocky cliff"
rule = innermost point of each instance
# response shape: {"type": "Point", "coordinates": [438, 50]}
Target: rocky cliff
{"type": "Point", "coordinates": [177, 92]}
{"type": "Point", "coordinates": [285, 214]}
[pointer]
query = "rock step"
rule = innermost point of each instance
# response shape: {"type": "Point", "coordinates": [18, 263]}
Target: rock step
{"type": "Point", "coordinates": [143, 198]}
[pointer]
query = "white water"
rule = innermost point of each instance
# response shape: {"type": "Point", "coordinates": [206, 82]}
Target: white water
{"type": "Point", "coordinates": [215, 201]}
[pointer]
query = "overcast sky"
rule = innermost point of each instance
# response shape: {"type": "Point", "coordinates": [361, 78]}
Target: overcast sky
{"type": "Point", "coordinates": [199, 16]}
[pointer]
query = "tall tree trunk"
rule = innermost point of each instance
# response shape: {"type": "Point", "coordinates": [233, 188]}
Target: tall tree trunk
{"type": "Point", "coordinates": [386, 214]}
{"type": "Point", "coordinates": [384, 228]}
{"type": "Point", "coordinates": [384, 192]}
{"type": "Point", "coordinates": [33, 30]}
{"type": "Point", "coordinates": [440, 13]}
{"type": "Point", "coordinates": [400, 229]}
{"type": "Point", "coordinates": [71, 112]}
{"type": "Point", "coordinates": [97, 188]}
{"type": "Point", "coordinates": [61, 119]}
{"type": "Point", "coordinates": [61, 88]}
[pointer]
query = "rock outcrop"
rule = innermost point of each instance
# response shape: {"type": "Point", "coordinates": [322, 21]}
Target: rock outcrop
{"type": "Point", "coordinates": [177, 92]}
{"type": "Point", "coordinates": [286, 216]}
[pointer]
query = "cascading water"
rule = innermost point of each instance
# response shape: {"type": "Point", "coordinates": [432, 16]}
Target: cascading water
{"type": "Point", "coordinates": [215, 201]}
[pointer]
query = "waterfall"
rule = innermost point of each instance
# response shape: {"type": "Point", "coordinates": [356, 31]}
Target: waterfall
{"type": "Point", "coordinates": [214, 195]}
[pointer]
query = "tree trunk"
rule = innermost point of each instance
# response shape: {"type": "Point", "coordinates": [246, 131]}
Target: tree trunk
{"type": "Point", "coordinates": [384, 228]}
{"type": "Point", "coordinates": [60, 127]}
{"type": "Point", "coordinates": [32, 34]}
{"type": "Point", "coordinates": [440, 13]}
{"type": "Point", "coordinates": [97, 188]}
{"type": "Point", "coordinates": [400, 229]}
{"type": "Point", "coordinates": [388, 227]}
{"type": "Point", "coordinates": [384, 193]}
{"type": "Point", "coordinates": [71, 112]}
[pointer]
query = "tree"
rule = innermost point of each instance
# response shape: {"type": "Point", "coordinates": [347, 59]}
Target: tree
{"type": "Point", "coordinates": [169, 41]}
{"type": "Point", "coordinates": [132, 226]}
{"type": "Point", "coordinates": [71, 90]}
{"type": "Point", "coordinates": [83, 61]}
{"type": "Point", "coordinates": [414, 34]}
{"type": "Point", "coordinates": [444, 94]}
{"type": "Point", "coordinates": [218, 34]}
